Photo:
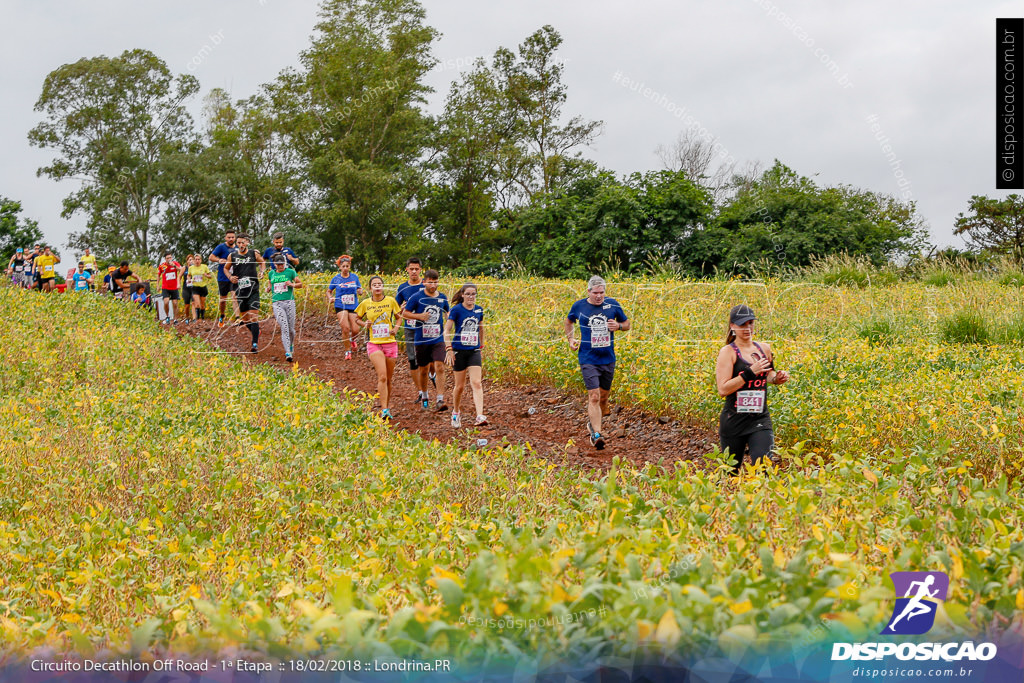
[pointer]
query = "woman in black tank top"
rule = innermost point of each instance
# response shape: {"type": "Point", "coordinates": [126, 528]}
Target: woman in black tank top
{"type": "Point", "coordinates": [743, 372]}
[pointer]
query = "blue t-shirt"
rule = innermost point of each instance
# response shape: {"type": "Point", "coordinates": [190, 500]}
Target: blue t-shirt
{"type": "Point", "coordinates": [268, 255]}
{"type": "Point", "coordinates": [431, 330]}
{"type": "Point", "coordinates": [344, 288]}
{"type": "Point", "coordinates": [80, 280]}
{"type": "Point", "coordinates": [467, 327]}
{"type": "Point", "coordinates": [222, 252]}
{"type": "Point", "coordinates": [597, 342]}
{"type": "Point", "coordinates": [405, 292]}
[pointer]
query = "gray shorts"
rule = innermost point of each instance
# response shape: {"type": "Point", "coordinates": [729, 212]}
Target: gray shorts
{"type": "Point", "coordinates": [598, 376]}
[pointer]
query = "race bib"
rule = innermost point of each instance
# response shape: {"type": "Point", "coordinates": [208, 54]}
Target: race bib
{"type": "Point", "coordinates": [600, 338]}
{"type": "Point", "coordinates": [18, 269]}
{"type": "Point", "coordinates": [244, 282]}
{"type": "Point", "coordinates": [750, 401]}
{"type": "Point", "coordinates": [381, 330]}
{"type": "Point", "coordinates": [48, 270]}
{"type": "Point", "coordinates": [172, 276]}
{"type": "Point", "coordinates": [431, 330]}
{"type": "Point", "coordinates": [197, 279]}
{"type": "Point", "coordinates": [348, 299]}
{"type": "Point", "coordinates": [280, 287]}
{"type": "Point", "coordinates": [470, 337]}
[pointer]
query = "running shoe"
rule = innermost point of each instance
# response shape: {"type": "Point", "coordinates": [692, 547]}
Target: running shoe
{"type": "Point", "coordinates": [220, 323]}
{"type": "Point", "coordinates": [456, 422]}
{"type": "Point", "coordinates": [432, 377]}
{"type": "Point", "coordinates": [288, 357]}
{"type": "Point", "coordinates": [255, 348]}
{"type": "Point", "coordinates": [426, 404]}
{"type": "Point", "coordinates": [597, 440]}
{"type": "Point", "coordinates": [481, 420]}
{"type": "Point", "coordinates": [440, 406]}
{"type": "Point", "coordinates": [354, 348]}
{"type": "Point", "coordinates": [386, 414]}
{"type": "Point", "coordinates": [348, 355]}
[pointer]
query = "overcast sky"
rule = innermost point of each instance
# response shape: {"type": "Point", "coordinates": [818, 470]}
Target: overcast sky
{"type": "Point", "coordinates": [788, 79]}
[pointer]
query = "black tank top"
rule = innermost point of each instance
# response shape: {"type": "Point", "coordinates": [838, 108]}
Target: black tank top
{"type": "Point", "coordinates": [751, 415]}
{"type": "Point", "coordinates": [19, 264]}
{"type": "Point", "coordinates": [244, 266]}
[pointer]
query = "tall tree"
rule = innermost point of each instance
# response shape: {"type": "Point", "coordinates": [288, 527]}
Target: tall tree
{"type": "Point", "coordinates": [354, 111]}
{"type": "Point", "coordinates": [15, 231]}
{"type": "Point", "coordinates": [995, 224]}
{"type": "Point", "coordinates": [114, 122]}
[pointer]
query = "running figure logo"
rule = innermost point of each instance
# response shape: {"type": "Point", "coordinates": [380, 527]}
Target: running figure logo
{"type": "Point", "coordinates": [919, 596]}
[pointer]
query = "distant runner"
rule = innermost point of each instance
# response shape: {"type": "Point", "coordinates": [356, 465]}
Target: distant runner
{"type": "Point", "coordinates": [170, 275]}
{"type": "Point", "coordinates": [381, 315]}
{"type": "Point", "coordinates": [186, 288]}
{"type": "Point", "coordinates": [18, 268]}
{"type": "Point", "coordinates": [218, 258]}
{"type": "Point", "coordinates": [121, 279]}
{"type": "Point", "coordinates": [413, 267]}
{"type": "Point", "coordinates": [283, 282]}
{"type": "Point", "coordinates": [200, 276]}
{"type": "Point", "coordinates": [344, 291]}
{"type": "Point", "coordinates": [245, 268]}
{"type": "Point", "coordinates": [599, 319]}
{"type": "Point", "coordinates": [430, 308]}
{"type": "Point", "coordinates": [743, 383]}
{"type": "Point", "coordinates": [464, 340]}
{"type": "Point", "coordinates": [46, 266]}
{"type": "Point", "coordinates": [277, 247]}
{"type": "Point", "coordinates": [89, 261]}
{"type": "Point", "coordinates": [81, 280]}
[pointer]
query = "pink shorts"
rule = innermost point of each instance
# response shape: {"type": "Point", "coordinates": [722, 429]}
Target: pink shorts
{"type": "Point", "coordinates": [389, 350]}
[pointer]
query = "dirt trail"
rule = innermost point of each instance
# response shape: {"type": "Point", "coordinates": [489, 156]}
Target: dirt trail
{"type": "Point", "coordinates": [558, 417]}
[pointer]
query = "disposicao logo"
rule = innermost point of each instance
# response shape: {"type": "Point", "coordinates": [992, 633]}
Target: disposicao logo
{"type": "Point", "coordinates": [917, 599]}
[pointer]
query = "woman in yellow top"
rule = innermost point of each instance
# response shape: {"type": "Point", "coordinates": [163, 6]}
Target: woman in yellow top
{"type": "Point", "coordinates": [380, 314]}
{"type": "Point", "coordinates": [199, 278]}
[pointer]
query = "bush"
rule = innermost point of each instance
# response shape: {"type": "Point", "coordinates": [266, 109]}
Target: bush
{"type": "Point", "coordinates": [964, 328]}
{"type": "Point", "coordinates": [878, 332]}
{"type": "Point", "coordinates": [939, 278]}
{"type": "Point", "coordinates": [1013, 331]}
{"type": "Point", "coordinates": [1012, 279]}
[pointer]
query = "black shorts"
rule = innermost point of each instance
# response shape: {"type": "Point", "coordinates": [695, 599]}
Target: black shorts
{"type": "Point", "coordinates": [186, 295]}
{"type": "Point", "coordinates": [342, 310]}
{"type": "Point", "coordinates": [44, 280]}
{"type": "Point", "coordinates": [465, 358]}
{"type": "Point", "coordinates": [426, 353]}
{"type": "Point", "coordinates": [250, 302]}
{"type": "Point", "coordinates": [598, 376]}
{"type": "Point", "coordinates": [760, 445]}
{"type": "Point", "coordinates": [200, 291]}
{"type": "Point", "coordinates": [171, 294]}
{"type": "Point", "coordinates": [225, 287]}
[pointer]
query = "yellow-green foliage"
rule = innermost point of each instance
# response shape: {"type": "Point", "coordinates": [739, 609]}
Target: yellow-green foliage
{"type": "Point", "coordinates": [155, 492]}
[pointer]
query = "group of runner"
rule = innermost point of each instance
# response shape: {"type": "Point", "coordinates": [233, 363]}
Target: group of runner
{"type": "Point", "coordinates": [438, 333]}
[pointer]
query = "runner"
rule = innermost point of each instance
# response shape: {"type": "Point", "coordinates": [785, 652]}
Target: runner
{"type": "Point", "coordinates": [122, 278]}
{"type": "Point", "coordinates": [89, 261]}
{"type": "Point", "coordinates": [17, 268]}
{"type": "Point", "coordinates": [277, 242]}
{"type": "Point", "coordinates": [743, 383]}
{"type": "Point", "coordinates": [414, 285]}
{"type": "Point", "coordinates": [346, 288]}
{"type": "Point", "coordinates": [246, 270]}
{"type": "Point", "coordinates": [199, 275]}
{"type": "Point", "coordinates": [219, 257]}
{"type": "Point", "coordinates": [170, 275]}
{"type": "Point", "coordinates": [283, 282]}
{"type": "Point", "coordinates": [46, 267]}
{"type": "Point", "coordinates": [381, 315]}
{"type": "Point", "coordinates": [186, 288]}
{"type": "Point", "coordinates": [81, 280]}
{"type": "Point", "coordinates": [429, 308]}
{"type": "Point", "coordinates": [32, 270]}
{"type": "Point", "coordinates": [599, 318]}
{"type": "Point", "coordinates": [464, 340]}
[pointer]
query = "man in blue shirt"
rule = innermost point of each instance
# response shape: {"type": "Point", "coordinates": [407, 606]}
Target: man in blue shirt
{"type": "Point", "coordinates": [217, 259]}
{"type": "Point", "coordinates": [81, 280]}
{"type": "Point", "coordinates": [599, 319]}
{"type": "Point", "coordinates": [405, 291]}
{"type": "Point", "coordinates": [278, 248]}
{"type": "Point", "coordinates": [429, 307]}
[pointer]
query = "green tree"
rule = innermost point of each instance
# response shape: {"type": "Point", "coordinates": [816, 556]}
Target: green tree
{"type": "Point", "coordinates": [599, 221]}
{"type": "Point", "coordinates": [784, 220]}
{"type": "Point", "coordinates": [994, 224]}
{"type": "Point", "coordinates": [354, 112]}
{"type": "Point", "coordinates": [114, 122]}
{"type": "Point", "coordinates": [15, 231]}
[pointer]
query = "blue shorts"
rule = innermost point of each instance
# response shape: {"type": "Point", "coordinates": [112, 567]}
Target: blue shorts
{"type": "Point", "coordinates": [598, 376]}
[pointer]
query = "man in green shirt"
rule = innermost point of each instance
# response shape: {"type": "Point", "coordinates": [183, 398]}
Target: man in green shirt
{"type": "Point", "coordinates": [283, 282]}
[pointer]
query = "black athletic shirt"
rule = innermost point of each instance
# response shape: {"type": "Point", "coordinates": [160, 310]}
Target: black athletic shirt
{"type": "Point", "coordinates": [245, 266]}
{"type": "Point", "coordinates": [19, 264]}
{"type": "Point", "coordinates": [734, 423]}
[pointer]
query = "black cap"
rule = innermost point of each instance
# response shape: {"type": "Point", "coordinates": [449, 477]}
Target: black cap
{"type": "Point", "coordinates": [741, 314]}
{"type": "Point", "coordinates": [279, 258]}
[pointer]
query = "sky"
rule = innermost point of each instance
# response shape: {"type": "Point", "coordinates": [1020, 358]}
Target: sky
{"type": "Point", "coordinates": [896, 98]}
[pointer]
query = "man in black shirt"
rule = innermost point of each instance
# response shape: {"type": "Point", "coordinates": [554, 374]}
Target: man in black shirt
{"type": "Point", "coordinates": [121, 280]}
{"type": "Point", "coordinates": [246, 268]}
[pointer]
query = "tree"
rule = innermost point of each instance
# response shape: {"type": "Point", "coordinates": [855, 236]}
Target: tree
{"type": "Point", "coordinates": [694, 155]}
{"type": "Point", "coordinates": [600, 221]}
{"type": "Point", "coordinates": [784, 220]}
{"type": "Point", "coordinates": [114, 122]}
{"type": "Point", "coordinates": [14, 231]}
{"type": "Point", "coordinates": [354, 114]}
{"type": "Point", "coordinates": [995, 224]}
